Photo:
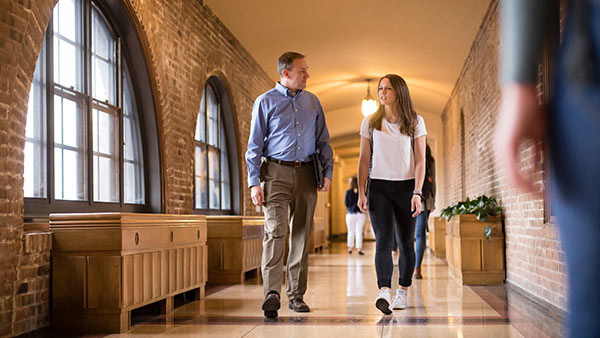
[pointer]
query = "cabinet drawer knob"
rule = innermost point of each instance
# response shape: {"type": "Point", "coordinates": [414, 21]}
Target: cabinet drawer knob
{"type": "Point", "coordinates": [171, 236]}
{"type": "Point", "coordinates": [137, 238]}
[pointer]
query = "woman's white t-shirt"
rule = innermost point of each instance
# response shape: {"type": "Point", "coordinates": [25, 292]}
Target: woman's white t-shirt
{"type": "Point", "coordinates": [393, 157]}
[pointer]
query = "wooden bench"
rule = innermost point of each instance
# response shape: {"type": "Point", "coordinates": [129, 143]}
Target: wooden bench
{"type": "Point", "coordinates": [437, 236]}
{"type": "Point", "coordinates": [234, 247]}
{"type": "Point", "coordinates": [320, 232]}
{"type": "Point", "coordinates": [106, 264]}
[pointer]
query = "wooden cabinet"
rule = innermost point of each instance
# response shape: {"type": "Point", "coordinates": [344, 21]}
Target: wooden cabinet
{"type": "Point", "coordinates": [106, 264]}
{"type": "Point", "coordinates": [320, 232]}
{"type": "Point", "coordinates": [437, 236]}
{"type": "Point", "coordinates": [471, 258]}
{"type": "Point", "coordinates": [234, 247]}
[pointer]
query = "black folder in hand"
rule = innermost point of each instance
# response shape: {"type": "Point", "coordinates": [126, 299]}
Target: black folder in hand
{"type": "Point", "coordinates": [318, 169]}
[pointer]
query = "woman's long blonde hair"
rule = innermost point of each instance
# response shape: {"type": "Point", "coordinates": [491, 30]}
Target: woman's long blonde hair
{"type": "Point", "coordinates": [407, 116]}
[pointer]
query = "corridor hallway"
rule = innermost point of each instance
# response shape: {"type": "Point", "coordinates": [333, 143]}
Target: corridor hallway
{"type": "Point", "coordinates": [341, 293]}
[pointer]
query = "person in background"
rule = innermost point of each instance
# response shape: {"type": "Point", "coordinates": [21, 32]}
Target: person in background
{"type": "Point", "coordinates": [428, 207]}
{"type": "Point", "coordinates": [355, 219]}
{"type": "Point", "coordinates": [395, 137]}
{"type": "Point", "coordinates": [569, 128]}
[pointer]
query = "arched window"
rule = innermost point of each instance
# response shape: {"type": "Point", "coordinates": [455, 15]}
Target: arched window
{"type": "Point", "coordinates": [213, 179]}
{"type": "Point", "coordinates": [84, 146]}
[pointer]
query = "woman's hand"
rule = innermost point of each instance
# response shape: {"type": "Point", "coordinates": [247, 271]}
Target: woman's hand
{"type": "Point", "coordinates": [362, 203]}
{"type": "Point", "coordinates": [415, 205]}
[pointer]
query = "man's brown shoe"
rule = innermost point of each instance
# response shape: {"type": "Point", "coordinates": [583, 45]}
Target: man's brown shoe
{"type": "Point", "coordinates": [271, 305]}
{"type": "Point", "coordinates": [298, 305]}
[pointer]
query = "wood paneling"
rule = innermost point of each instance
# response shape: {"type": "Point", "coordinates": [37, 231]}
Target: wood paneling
{"type": "Point", "coordinates": [116, 262]}
{"type": "Point", "coordinates": [68, 281]}
{"type": "Point", "coordinates": [437, 236]}
{"type": "Point", "coordinates": [234, 247]}
{"type": "Point", "coordinates": [471, 258]}
{"type": "Point", "coordinates": [104, 282]}
{"type": "Point", "coordinates": [320, 231]}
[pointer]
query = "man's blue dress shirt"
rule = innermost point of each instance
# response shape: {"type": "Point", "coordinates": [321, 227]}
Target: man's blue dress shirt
{"type": "Point", "coordinates": [287, 127]}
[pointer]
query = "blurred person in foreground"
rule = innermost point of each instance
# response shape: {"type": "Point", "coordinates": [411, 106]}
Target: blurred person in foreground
{"type": "Point", "coordinates": [569, 128]}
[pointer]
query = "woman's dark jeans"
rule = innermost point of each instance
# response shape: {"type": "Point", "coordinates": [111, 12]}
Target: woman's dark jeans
{"type": "Point", "coordinates": [389, 208]}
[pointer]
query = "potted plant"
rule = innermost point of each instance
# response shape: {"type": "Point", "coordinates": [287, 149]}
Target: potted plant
{"type": "Point", "coordinates": [481, 207]}
{"type": "Point", "coordinates": [475, 240]}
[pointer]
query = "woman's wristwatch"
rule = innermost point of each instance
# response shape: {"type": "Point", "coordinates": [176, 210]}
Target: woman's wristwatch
{"type": "Point", "coordinates": [418, 193]}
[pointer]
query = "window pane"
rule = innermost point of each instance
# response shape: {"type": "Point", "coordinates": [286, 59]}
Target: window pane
{"type": "Point", "coordinates": [70, 180]}
{"type": "Point", "coordinates": [58, 174]}
{"type": "Point", "coordinates": [68, 44]}
{"type": "Point", "coordinates": [67, 71]}
{"type": "Point", "coordinates": [132, 148]}
{"type": "Point", "coordinates": [103, 60]}
{"type": "Point", "coordinates": [102, 41]}
{"type": "Point", "coordinates": [201, 121]}
{"type": "Point", "coordinates": [35, 133]}
{"type": "Point", "coordinates": [225, 187]}
{"type": "Point", "coordinates": [200, 181]}
{"type": "Point", "coordinates": [201, 194]}
{"type": "Point", "coordinates": [214, 177]}
{"type": "Point", "coordinates": [57, 119]}
{"type": "Point", "coordinates": [105, 176]}
{"type": "Point", "coordinates": [105, 132]}
{"type": "Point", "coordinates": [106, 156]}
{"type": "Point", "coordinates": [213, 117]}
{"type": "Point", "coordinates": [213, 164]}
{"type": "Point", "coordinates": [64, 18]}
{"type": "Point", "coordinates": [103, 87]}
{"type": "Point", "coordinates": [70, 171]}
{"type": "Point", "coordinates": [71, 167]}
{"type": "Point", "coordinates": [68, 122]}
{"type": "Point", "coordinates": [129, 188]}
{"type": "Point", "coordinates": [70, 131]}
{"type": "Point", "coordinates": [225, 196]}
{"type": "Point", "coordinates": [214, 194]}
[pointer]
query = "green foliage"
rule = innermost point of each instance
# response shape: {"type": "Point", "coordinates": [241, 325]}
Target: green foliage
{"type": "Point", "coordinates": [481, 207]}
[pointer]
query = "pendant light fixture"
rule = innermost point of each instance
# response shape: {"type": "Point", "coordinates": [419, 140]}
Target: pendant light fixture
{"type": "Point", "coordinates": [369, 105]}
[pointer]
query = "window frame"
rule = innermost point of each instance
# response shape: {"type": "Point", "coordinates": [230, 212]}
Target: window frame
{"type": "Point", "coordinates": [41, 207]}
{"type": "Point", "coordinates": [205, 145]}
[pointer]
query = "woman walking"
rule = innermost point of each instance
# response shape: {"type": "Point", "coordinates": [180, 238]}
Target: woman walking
{"type": "Point", "coordinates": [393, 148]}
{"type": "Point", "coordinates": [355, 219]}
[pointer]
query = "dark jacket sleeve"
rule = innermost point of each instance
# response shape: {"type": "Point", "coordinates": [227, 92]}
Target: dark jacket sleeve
{"type": "Point", "coordinates": [523, 24]}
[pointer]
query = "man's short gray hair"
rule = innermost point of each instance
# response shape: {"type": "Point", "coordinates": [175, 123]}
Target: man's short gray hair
{"type": "Point", "coordinates": [285, 61]}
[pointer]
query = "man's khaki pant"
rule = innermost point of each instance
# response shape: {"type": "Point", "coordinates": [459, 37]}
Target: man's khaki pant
{"type": "Point", "coordinates": [294, 189]}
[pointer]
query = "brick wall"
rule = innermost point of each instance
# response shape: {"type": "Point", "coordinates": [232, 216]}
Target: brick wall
{"type": "Point", "coordinates": [22, 28]}
{"type": "Point", "coordinates": [32, 294]}
{"type": "Point", "coordinates": [534, 258]}
{"type": "Point", "coordinates": [186, 44]}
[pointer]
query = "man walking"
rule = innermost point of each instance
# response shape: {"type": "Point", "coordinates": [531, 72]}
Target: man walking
{"type": "Point", "coordinates": [287, 128]}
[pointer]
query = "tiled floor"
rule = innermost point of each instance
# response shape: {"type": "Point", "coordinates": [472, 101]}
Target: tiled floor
{"type": "Point", "coordinates": [341, 293]}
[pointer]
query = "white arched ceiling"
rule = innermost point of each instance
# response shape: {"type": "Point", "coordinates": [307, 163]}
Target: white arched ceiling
{"type": "Point", "coordinates": [425, 41]}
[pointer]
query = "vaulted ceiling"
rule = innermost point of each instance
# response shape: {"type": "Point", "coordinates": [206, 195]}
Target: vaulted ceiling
{"type": "Point", "coordinates": [424, 41]}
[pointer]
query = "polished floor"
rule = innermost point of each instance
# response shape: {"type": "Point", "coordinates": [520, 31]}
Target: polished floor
{"type": "Point", "coordinates": [341, 292]}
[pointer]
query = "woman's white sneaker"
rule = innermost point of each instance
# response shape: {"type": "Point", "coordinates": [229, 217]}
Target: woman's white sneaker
{"type": "Point", "coordinates": [399, 302]}
{"type": "Point", "coordinates": [383, 300]}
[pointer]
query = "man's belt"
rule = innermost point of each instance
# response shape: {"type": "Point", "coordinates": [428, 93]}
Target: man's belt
{"type": "Point", "coordinates": [288, 163]}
